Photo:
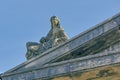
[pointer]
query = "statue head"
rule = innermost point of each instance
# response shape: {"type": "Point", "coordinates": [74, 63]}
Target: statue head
{"type": "Point", "coordinates": [54, 22]}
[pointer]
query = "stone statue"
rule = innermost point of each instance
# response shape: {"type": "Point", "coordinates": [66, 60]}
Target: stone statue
{"type": "Point", "coordinates": [56, 34]}
{"type": "Point", "coordinates": [55, 37]}
{"type": "Point", "coordinates": [32, 49]}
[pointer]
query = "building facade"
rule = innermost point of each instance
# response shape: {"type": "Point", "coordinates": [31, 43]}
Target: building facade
{"type": "Point", "coordinates": [91, 55]}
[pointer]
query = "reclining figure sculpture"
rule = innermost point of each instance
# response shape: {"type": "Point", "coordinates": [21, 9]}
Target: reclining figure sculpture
{"type": "Point", "coordinates": [55, 37]}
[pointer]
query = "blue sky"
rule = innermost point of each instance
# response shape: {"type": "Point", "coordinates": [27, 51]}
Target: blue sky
{"type": "Point", "coordinates": [28, 20]}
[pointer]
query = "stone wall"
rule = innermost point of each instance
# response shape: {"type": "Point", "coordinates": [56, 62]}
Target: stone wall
{"type": "Point", "coordinates": [66, 67]}
{"type": "Point", "coordinates": [111, 72]}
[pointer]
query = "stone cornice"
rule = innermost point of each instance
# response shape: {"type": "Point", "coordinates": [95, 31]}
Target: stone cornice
{"type": "Point", "coordinates": [69, 66]}
{"type": "Point", "coordinates": [71, 44]}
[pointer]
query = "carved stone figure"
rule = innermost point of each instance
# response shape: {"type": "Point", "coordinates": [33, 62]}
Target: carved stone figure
{"type": "Point", "coordinates": [44, 45]}
{"type": "Point", "coordinates": [32, 49]}
{"type": "Point", "coordinates": [55, 37]}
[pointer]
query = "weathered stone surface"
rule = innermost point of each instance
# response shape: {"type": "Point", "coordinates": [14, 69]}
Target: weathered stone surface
{"type": "Point", "coordinates": [41, 68]}
{"type": "Point", "coordinates": [56, 53]}
{"type": "Point", "coordinates": [111, 72]}
{"type": "Point", "coordinates": [118, 20]}
{"type": "Point", "coordinates": [66, 67]}
{"type": "Point", "coordinates": [32, 49]}
{"type": "Point", "coordinates": [55, 37]}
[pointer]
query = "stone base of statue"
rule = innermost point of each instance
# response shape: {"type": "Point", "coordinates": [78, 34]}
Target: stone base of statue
{"type": "Point", "coordinates": [91, 55]}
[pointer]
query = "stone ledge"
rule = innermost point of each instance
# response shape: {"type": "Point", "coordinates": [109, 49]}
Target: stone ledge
{"type": "Point", "coordinates": [71, 44]}
{"type": "Point", "coordinates": [109, 72]}
{"type": "Point", "coordinates": [65, 67]}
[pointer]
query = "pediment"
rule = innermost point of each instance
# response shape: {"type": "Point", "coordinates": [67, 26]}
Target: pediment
{"type": "Point", "coordinates": [89, 42]}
